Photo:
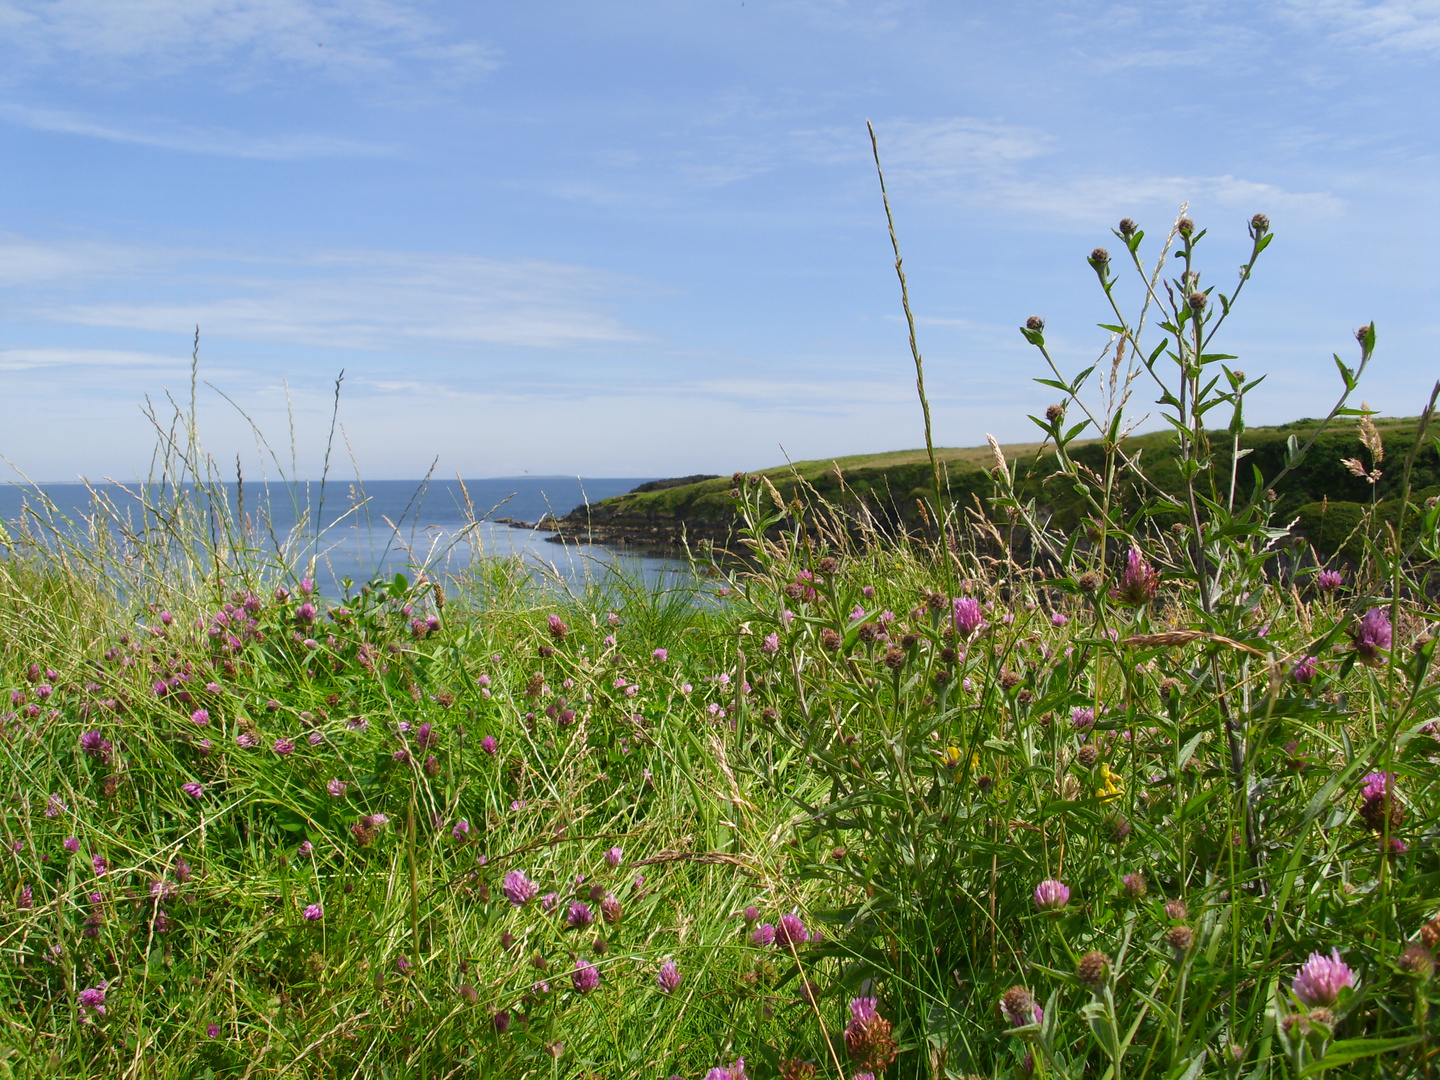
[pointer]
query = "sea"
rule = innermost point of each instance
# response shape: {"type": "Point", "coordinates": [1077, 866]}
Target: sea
{"type": "Point", "coordinates": [362, 532]}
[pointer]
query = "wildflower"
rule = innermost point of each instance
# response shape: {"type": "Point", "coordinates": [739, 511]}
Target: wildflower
{"type": "Point", "coordinates": [1051, 895]}
{"type": "Point", "coordinates": [669, 978]}
{"type": "Point", "coordinates": [1093, 968]}
{"type": "Point", "coordinates": [71, 845]}
{"type": "Point", "coordinates": [1111, 783]}
{"type": "Point", "coordinates": [1082, 718]}
{"type": "Point", "coordinates": [610, 910]}
{"type": "Point", "coordinates": [55, 806]}
{"type": "Point", "coordinates": [1020, 1008]}
{"type": "Point", "coordinates": [1135, 886]}
{"type": "Point", "coordinates": [101, 866]}
{"type": "Point", "coordinates": [1175, 909]}
{"type": "Point", "coordinates": [313, 912]}
{"type": "Point", "coordinates": [336, 787]}
{"type": "Point", "coordinates": [1139, 582]}
{"type": "Point", "coordinates": [1180, 939]}
{"type": "Point", "coordinates": [867, 1036]}
{"type": "Point", "coordinates": [763, 935]}
{"type": "Point", "coordinates": [200, 717]}
{"type": "Point", "coordinates": [751, 915]}
{"type": "Point", "coordinates": [305, 850]}
{"type": "Point", "coordinates": [556, 626]}
{"type": "Point", "coordinates": [212, 1031]}
{"type": "Point", "coordinates": [1058, 620]}
{"type": "Point", "coordinates": [585, 977]}
{"type": "Point", "coordinates": [94, 998]}
{"type": "Point", "coordinates": [734, 1072]}
{"type": "Point", "coordinates": [1417, 960]}
{"type": "Point", "coordinates": [488, 744]}
{"type": "Point", "coordinates": [967, 615]}
{"type": "Point", "coordinates": [1329, 580]}
{"type": "Point", "coordinates": [1380, 805]}
{"type": "Point", "coordinates": [579, 916]}
{"type": "Point", "coordinates": [1306, 669]}
{"type": "Point", "coordinates": [613, 619]}
{"type": "Point", "coordinates": [461, 831]}
{"type": "Point", "coordinates": [96, 745]}
{"type": "Point", "coordinates": [660, 655]}
{"type": "Point", "coordinates": [1321, 978]}
{"type": "Point", "coordinates": [27, 898]}
{"type": "Point", "coordinates": [402, 965]}
{"type": "Point", "coordinates": [1372, 636]}
{"type": "Point", "coordinates": [548, 902]}
{"type": "Point", "coordinates": [194, 790]}
{"type": "Point", "coordinates": [501, 1021]}
{"type": "Point", "coordinates": [791, 931]}
{"type": "Point", "coordinates": [246, 741]}
{"type": "Point", "coordinates": [284, 747]}
{"type": "Point", "coordinates": [771, 644]}
{"type": "Point", "coordinates": [518, 888]}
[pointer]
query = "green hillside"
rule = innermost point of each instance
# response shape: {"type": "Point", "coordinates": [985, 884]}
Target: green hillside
{"type": "Point", "coordinates": [1322, 493]}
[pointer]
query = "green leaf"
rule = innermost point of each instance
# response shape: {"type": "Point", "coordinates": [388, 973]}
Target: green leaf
{"type": "Point", "coordinates": [1055, 383]}
{"type": "Point", "coordinates": [1347, 1050]}
{"type": "Point", "coordinates": [1263, 243]}
{"type": "Point", "coordinates": [1113, 329]}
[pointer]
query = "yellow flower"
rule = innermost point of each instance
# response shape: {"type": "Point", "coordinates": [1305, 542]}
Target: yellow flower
{"type": "Point", "coordinates": [1113, 784]}
{"type": "Point", "coordinates": [953, 755]}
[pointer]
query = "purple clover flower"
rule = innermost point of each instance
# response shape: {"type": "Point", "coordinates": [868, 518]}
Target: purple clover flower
{"type": "Point", "coordinates": [579, 916]}
{"type": "Point", "coordinates": [314, 912]}
{"type": "Point", "coordinates": [1139, 581]}
{"type": "Point", "coordinates": [1306, 670]}
{"type": "Point", "coordinates": [1329, 580]}
{"type": "Point", "coordinates": [284, 747]}
{"type": "Point", "coordinates": [518, 888]}
{"type": "Point", "coordinates": [764, 935]}
{"type": "Point", "coordinates": [336, 787]}
{"type": "Point", "coordinates": [193, 789]}
{"type": "Point", "coordinates": [94, 998]}
{"type": "Point", "coordinates": [1373, 635]}
{"type": "Point", "coordinates": [488, 744]}
{"type": "Point", "coordinates": [1320, 979]}
{"type": "Point", "coordinates": [461, 831]}
{"type": "Point", "coordinates": [669, 977]}
{"type": "Point", "coordinates": [1051, 895]}
{"type": "Point", "coordinates": [1081, 718]}
{"type": "Point", "coordinates": [791, 931]}
{"type": "Point", "coordinates": [585, 977]}
{"type": "Point", "coordinates": [613, 856]}
{"type": "Point", "coordinates": [1378, 785]}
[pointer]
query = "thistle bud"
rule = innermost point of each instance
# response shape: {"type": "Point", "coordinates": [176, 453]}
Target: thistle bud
{"type": "Point", "coordinates": [1197, 301]}
{"type": "Point", "coordinates": [1185, 226]}
{"type": "Point", "coordinates": [1088, 754]}
{"type": "Point", "coordinates": [1088, 582]}
{"type": "Point", "coordinates": [1416, 960]}
{"type": "Point", "coordinates": [1054, 413]}
{"type": "Point", "coordinates": [1259, 226]}
{"type": "Point", "coordinates": [1128, 228]}
{"type": "Point", "coordinates": [1035, 322]}
{"type": "Point", "coordinates": [1099, 257]}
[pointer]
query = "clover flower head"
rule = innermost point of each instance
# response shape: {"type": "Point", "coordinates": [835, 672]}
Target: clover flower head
{"type": "Point", "coordinates": [1320, 979]}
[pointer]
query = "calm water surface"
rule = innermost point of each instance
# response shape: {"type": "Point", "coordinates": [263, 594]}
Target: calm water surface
{"type": "Point", "coordinates": [390, 526]}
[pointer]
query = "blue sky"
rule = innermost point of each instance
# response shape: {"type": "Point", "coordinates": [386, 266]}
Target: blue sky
{"type": "Point", "coordinates": [645, 238]}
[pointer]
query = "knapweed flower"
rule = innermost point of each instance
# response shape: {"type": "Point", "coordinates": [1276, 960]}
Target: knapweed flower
{"type": "Point", "coordinates": [579, 916]}
{"type": "Point", "coordinates": [1305, 670]}
{"type": "Point", "coordinates": [967, 615]}
{"type": "Point", "coordinates": [93, 998]}
{"type": "Point", "coordinates": [1051, 895]}
{"type": "Point", "coordinates": [1321, 978]}
{"type": "Point", "coordinates": [1139, 582]}
{"type": "Point", "coordinates": [313, 912]}
{"type": "Point", "coordinates": [1372, 636]}
{"type": "Point", "coordinates": [518, 888]}
{"type": "Point", "coordinates": [336, 787]}
{"type": "Point", "coordinates": [1329, 580]}
{"type": "Point", "coordinates": [669, 977]}
{"type": "Point", "coordinates": [1020, 1008]}
{"type": "Point", "coordinates": [791, 931]}
{"type": "Point", "coordinates": [585, 977]}
{"type": "Point", "coordinates": [193, 789]}
{"type": "Point", "coordinates": [613, 856]}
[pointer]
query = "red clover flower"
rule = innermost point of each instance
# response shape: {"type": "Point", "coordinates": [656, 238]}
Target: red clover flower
{"type": "Point", "coordinates": [518, 888]}
{"type": "Point", "coordinates": [1321, 978]}
{"type": "Point", "coordinates": [669, 978]}
{"type": "Point", "coordinates": [1051, 895]}
{"type": "Point", "coordinates": [585, 977]}
{"type": "Point", "coordinates": [1139, 582]}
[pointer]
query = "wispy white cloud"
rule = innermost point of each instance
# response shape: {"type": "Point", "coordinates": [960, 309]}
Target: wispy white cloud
{"type": "Point", "coordinates": [357, 300]}
{"type": "Point", "coordinates": [354, 39]}
{"type": "Point", "coordinates": [170, 136]}
{"type": "Point", "coordinates": [1405, 25]}
{"type": "Point", "coordinates": [62, 358]}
